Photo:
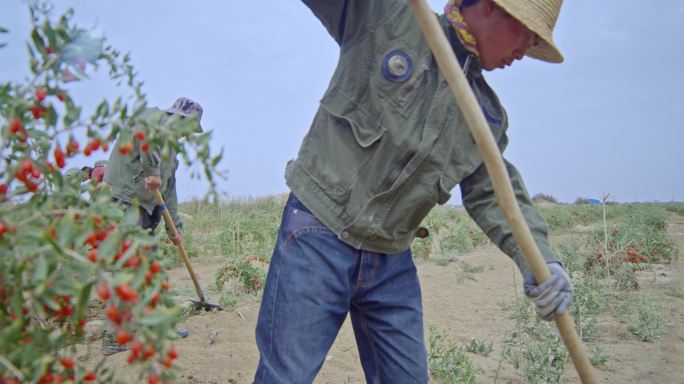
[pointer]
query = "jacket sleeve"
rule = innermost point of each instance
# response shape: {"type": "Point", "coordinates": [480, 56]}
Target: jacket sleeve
{"type": "Point", "coordinates": [172, 205]}
{"type": "Point", "coordinates": [347, 20]}
{"type": "Point", "coordinates": [480, 202]}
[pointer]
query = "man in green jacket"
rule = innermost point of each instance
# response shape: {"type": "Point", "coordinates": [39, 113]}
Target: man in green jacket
{"type": "Point", "coordinates": [135, 170]}
{"type": "Point", "coordinates": [134, 176]}
{"type": "Point", "coordinates": [387, 144]}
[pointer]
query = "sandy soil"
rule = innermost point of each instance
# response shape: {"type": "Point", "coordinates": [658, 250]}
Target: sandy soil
{"type": "Point", "coordinates": [463, 310]}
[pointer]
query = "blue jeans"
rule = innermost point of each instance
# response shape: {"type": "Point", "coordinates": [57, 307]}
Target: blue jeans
{"type": "Point", "coordinates": [314, 280]}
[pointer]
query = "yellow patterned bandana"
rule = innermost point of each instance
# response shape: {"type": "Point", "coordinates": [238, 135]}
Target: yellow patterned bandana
{"type": "Point", "coordinates": [453, 14]}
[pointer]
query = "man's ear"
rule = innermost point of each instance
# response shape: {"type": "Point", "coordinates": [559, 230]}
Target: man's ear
{"type": "Point", "coordinates": [489, 7]}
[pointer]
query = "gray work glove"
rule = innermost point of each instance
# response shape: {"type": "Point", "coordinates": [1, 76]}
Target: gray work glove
{"type": "Point", "coordinates": [554, 296]}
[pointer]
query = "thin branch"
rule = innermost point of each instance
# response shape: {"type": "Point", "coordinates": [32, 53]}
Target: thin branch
{"type": "Point", "coordinates": [10, 367]}
{"type": "Point", "coordinates": [75, 255]}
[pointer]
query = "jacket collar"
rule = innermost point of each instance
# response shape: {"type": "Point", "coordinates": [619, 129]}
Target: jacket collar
{"type": "Point", "coordinates": [473, 68]}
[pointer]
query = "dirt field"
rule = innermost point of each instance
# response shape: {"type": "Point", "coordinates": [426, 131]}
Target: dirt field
{"type": "Point", "coordinates": [463, 310]}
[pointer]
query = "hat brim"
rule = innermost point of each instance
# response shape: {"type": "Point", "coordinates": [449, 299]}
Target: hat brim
{"type": "Point", "coordinates": [545, 50]}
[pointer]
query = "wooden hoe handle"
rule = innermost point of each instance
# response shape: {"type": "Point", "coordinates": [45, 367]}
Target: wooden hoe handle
{"type": "Point", "coordinates": [181, 247]}
{"type": "Point", "coordinates": [497, 172]}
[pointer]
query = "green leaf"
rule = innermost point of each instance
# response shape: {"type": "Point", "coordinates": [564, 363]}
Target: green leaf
{"type": "Point", "coordinates": [38, 134]}
{"type": "Point", "coordinates": [40, 273]}
{"type": "Point", "coordinates": [73, 113]}
{"type": "Point", "coordinates": [66, 231]}
{"type": "Point", "coordinates": [51, 118]}
{"type": "Point", "coordinates": [50, 34]}
{"type": "Point", "coordinates": [131, 216]}
{"type": "Point", "coordinates": [51, 303]}
{"type": "Point", "coordinates": [3, 30]}
{"type": "Point", "coordinates": [121, 278]}
{"type": "Point", "coordinates": [117, 105]}
{"type": "Point", "coordinates": [160, 316]}
{"type": "Point", "coordinates": [123, 115]}
{"type": "Point", "coordinates": [84, 296]}
{"type": "Point", "coordinates": [37, 41]}
{"type": "Point", "coordinates": [217, 159]}
{"type": "Point", "coordinates": [139, 109]}
{"type": "Point", "coordinates": [109, 246]}
{"type": "Point", "coordinates": [101, 111]}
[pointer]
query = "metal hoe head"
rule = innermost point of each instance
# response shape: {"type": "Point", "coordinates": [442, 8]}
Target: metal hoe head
{"type": "Point", "coordinates": [204, 305]}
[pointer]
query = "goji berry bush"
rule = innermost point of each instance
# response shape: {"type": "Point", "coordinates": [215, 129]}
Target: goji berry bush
{"type": "Point", "coordinates": [63, 243]}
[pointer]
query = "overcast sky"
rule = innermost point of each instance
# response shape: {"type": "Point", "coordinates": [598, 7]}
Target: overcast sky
{"type": "Point", "coordinates": [607, 120]}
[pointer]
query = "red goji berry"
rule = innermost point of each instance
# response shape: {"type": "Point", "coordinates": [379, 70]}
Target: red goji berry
{"type": "Point", "coordinates": [66, 310]}
{"type": "Point", "coordinates": [132, 262]}
{"type": "Point", "coordinates": [92, 255]}
{"type": "Point", "coordinates": [148, 352]}
{"type": "Point", "coordinates": [37, 112]}
{"type": "Point", "coordinates": [140, 135]}
{"type": "Point", "coordinates": [168, 363]}
{"type": "Point", "coordinates": [67, 363]}
{"type": "Point", "coordinates": [72, 147]}
{"type": "Point", "coordinates": [114, 316]}
{"type": "Point", "coordinates": [124, 337]}
{"type": "Point", "coordinates": [136, 347]}
{"type": "Point", "coordinates": [41, 93]}
{"type": "Point", "coordinates": [155, 300]}
{"type": "Point", "coordinates": [92, 239]}
{"type": "Point", "coordinates": [94, 144]}
{"type": "Point", "coordinates": [125, 149]}
{"type": "Point", "coordinates": [155, 267]}
{"type": "Point", "coordinates": [126, 293]}
{"type": "Point", "coordinates": [59, 157]}
{"type": "Point", "coordinates": [16, 125]}
{"type": "Point", "coordinates": [103, 292]}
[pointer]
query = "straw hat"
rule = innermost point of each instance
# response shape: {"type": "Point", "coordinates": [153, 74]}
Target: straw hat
{"type": "Point", "coordinates": [540, 17]}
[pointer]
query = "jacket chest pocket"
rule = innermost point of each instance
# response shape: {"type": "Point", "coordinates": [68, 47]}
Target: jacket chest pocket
{"type": "Point", "coordinates": [399, 76]}
{"type": "Point", "coordinates": [342, 140]}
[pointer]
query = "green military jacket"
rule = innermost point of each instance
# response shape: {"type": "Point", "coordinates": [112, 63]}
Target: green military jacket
{"type": "Point", "coordinates": [126, 173]}
{"type": "Point", "coordinates": [389, 142]}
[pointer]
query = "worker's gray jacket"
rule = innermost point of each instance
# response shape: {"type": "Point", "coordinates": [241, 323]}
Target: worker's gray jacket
{"type": "Point", "coordinates": [126, 173]}
{"type": "Point", "coordinates": [389, 142]}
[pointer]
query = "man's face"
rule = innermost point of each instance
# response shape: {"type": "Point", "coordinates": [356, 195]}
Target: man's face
{"type": "Point", "coordinates": [98, 174]}
{"type": "Point", "coordinates": [502, 39]}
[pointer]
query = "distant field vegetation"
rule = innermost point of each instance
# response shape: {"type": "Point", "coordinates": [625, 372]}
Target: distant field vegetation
{"type": "Point", "coordinates": [242, 233]}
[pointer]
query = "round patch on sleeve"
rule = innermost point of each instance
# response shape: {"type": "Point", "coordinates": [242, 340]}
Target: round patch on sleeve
{"type": "Point", "coordinates": [397, 66]}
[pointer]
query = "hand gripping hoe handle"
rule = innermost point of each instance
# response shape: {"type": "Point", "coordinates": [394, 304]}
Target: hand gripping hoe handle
{"type": "Point", "coordinates": [497, 172]}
